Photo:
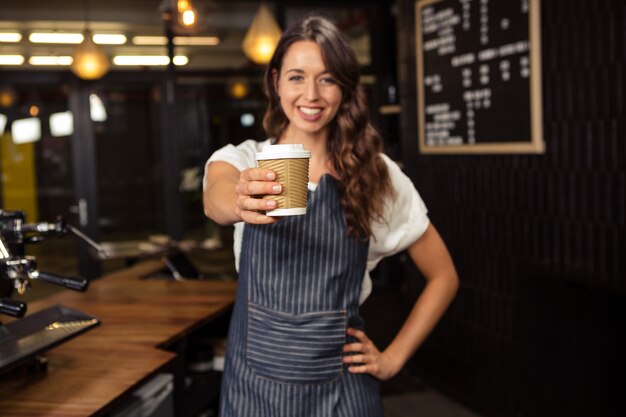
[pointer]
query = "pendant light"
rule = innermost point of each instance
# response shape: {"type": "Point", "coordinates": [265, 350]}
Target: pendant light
{"type": "Point", "coordinates": [7, 97]}
{"type": "Point", "coordinates": [262, 36]}
{"type": "Point", "coordinates": [238, 88]}
{"type": "Point", "coordinates": [187, 14]}
{"type": "Point", "coordinates": [90, 61]}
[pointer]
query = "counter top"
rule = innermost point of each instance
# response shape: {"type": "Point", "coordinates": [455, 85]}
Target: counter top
{"type": "Point", "coordinates": [139, 316]}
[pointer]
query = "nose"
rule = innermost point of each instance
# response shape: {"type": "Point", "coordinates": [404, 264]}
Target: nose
{"type": "Point", "coordinates": [311, 93]}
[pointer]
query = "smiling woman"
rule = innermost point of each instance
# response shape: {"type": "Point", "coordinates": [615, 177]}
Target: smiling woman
{"type": "Point", "coordinates": [297, 345]}
{"type": "Point", "coordinates": [314, 95]}
{"type": "Point", "coordinates": [309, 94]}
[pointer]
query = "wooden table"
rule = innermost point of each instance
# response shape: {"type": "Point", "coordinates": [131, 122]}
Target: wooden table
{"type": "Point", "coordinates": [91, 373]}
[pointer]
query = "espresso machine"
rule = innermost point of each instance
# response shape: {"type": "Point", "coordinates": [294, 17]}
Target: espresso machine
{"type": "Point", "coordinates": [16, 269]}
{"type": "Point", "coordinates": [25, 339]}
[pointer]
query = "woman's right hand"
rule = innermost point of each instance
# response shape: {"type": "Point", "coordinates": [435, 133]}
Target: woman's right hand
{"type": "Point", "coordinates": [254, 183]}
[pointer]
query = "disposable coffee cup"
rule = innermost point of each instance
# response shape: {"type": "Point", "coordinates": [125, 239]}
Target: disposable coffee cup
{"type": "Point", "coordinates": [291, 165]}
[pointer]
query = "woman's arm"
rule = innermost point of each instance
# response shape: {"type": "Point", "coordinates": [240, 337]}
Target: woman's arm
{"type": "Point", "coordinates": [229, 195]}
{"type": "Point", "coordinates": [430, 255]}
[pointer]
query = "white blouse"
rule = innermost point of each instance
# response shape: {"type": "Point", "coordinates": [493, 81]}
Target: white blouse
{"type": "Point", "coordinates": [405, 216]}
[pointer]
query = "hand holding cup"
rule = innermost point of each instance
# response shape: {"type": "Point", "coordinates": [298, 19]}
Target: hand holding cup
{"type": "Point", "coordinates": [254, 182]}
{"type": "Point", "coordinates": [290, 164]}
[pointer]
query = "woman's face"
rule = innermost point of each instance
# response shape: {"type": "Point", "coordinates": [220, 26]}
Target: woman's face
{"type": "Point", "coordinates": [309, 95]}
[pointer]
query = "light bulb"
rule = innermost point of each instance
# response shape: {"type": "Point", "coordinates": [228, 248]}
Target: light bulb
{"type": "Point", "coordinates": [90, 61]}
{"type": "Point", "coordinates": [238, 89]}
{"type": "Point", "coordinates": [182, 5]}
{"type": "Point", "coordinates": [7, 97]}
{"type": "Point", "coordinates": [262, 36]}
{"type": "Point", "coordinates": [187, 14]}
{"type": "Point", "coordinates": [189, 17]}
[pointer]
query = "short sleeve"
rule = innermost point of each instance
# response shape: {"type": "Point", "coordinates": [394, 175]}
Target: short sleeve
{"type": "Point", "coordinates": [405, 218]}
{"type": "Point", "coordinates": [241, 156]}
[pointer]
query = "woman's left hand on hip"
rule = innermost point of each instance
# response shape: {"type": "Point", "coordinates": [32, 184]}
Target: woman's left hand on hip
{"type": "Point", "coordinates": [363, 357]}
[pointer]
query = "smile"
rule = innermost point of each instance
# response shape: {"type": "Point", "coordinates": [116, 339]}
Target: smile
{"type": "Point", "coordinates": [310, 111]}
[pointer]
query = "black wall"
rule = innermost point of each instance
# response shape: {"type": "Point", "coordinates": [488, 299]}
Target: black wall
{"type": "Point", "coordinates": [539, 240]}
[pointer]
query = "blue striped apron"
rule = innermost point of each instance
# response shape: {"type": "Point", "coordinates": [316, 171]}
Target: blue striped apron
{"type": "Point", "coordinates": [298, 290]}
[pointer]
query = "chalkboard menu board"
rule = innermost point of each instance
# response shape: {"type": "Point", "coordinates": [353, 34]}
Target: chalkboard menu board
{"type": "Point", "coordinates": [479, 76]}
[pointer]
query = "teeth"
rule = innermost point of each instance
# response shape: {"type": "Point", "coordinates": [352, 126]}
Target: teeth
{"type": "Point", "coordinates": [310, 112]}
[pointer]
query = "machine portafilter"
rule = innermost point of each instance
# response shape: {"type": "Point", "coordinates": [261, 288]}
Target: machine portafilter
{"type": "Point", "coordinates": [20, 269]}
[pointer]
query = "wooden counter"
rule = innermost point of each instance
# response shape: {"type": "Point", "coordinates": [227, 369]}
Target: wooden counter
{"type": "Point", "coordinates": [89, 374]}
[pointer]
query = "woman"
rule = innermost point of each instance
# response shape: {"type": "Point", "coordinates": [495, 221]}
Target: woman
{"type": "Point", "coordinates": [296, 346]}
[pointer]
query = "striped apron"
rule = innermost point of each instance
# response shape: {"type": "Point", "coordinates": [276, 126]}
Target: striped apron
{"type": "Point", "coordinates": [298, 290]}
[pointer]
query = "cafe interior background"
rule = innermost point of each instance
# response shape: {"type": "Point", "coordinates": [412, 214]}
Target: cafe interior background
{"type": "Point", "coordinates": [539, 239]}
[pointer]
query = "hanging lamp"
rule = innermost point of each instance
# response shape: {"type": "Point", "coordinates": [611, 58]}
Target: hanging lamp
{"type": "Point", "coordinates": [7, 97]}
{"type": "Point", "coordinates": [238, 89]}
{"type": "Point", "coordinates": [187, 14]}
{"type": "Point", "coordinates": [90, 61]}
{"type": "Point", "coordinates": [262, 36]}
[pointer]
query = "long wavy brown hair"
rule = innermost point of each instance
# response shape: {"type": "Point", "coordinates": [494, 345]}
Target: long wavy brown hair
{"type": "Point", "coordinates": [353, 144]}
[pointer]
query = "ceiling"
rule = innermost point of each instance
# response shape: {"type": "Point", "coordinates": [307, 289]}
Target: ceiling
{"type": "Point", "coordinates": [228, 20]}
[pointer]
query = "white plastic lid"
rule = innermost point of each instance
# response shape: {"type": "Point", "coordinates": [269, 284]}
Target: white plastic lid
{"type": "Point", "coordinates": [282, 151]}
{"type": "Point", "coordinates": [296, 211]}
